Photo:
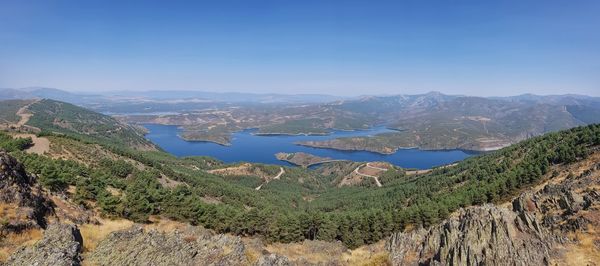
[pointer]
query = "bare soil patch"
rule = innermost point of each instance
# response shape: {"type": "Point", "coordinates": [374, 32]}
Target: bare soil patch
{"type": "Point", "coordinates": [40, 146]}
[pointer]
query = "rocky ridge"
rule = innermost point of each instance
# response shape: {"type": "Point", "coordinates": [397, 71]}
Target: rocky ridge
{"type": "Point", "coordinates": [20, 192]}
{"type": "Point", "coordinates": [533, 230]}
{"type": "Point", "coordinates": [193, 246]}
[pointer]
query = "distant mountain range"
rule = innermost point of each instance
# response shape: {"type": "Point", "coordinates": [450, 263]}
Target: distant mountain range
{"type": "Point", "coordinates": [48, 93]}
{"type": "Point", "coordinates": [194, 210]}
{"type": "Point", "coordinates": [241, 97]}
{"type": "Point", "coordinates": [438, 121]}
{"type": "Point", "coordinates": [176, 96]}
{"type": "Point", "coordinates": [429, 121]}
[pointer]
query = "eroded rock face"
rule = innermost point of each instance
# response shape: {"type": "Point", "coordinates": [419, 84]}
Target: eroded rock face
{"type": "Point", "coordinates": [19, 189]}
{"type": "Point", "coordinates": [485, 235]}
{"type": "Point", "coordinates": [194, 246]}
{"type": "Point", "coordinates": [61, 246]}
{"type": "Point", "coordinates": [526, 233]}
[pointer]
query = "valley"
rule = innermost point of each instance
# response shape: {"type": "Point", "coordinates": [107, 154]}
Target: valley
{"type": "Point", "coordinates": [299, 133]}
{"type": "Point", "coordinates": [102, 172]}
{"type": "Point", "coordinates": [247, 146]}
{"type": "Point", "coordinates": [431, 121]}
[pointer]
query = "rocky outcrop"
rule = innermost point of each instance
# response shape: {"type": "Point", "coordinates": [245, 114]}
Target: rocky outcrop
{"type": "Point", "coordinates": [273, 260]}
{"type": "Point", "coordinates": [193, 246]}
{"type": "Point", "coordinates": [61, 246]}
{"type": "Point", "coordinates": [485, 235]}
{"type": "Point", "coordinates": [528, 232]}
{"type": "Point", "coordinates": [19, 190]}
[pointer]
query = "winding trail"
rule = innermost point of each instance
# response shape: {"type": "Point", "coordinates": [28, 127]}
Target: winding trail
{"type": "Point", "coordinates": [24, 115]}
{"type": "Point", "coordinates": [40, 145]}
{"type": "Point", "coordinates": [375, 167]}
{"type": "Point", "coordinates": [281, 172]}
{"type": "Point", "coordinates": [371, 176]}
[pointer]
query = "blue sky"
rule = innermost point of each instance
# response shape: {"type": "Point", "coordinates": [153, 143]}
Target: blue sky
{"type": "Point", "coordinates": [335, 47]}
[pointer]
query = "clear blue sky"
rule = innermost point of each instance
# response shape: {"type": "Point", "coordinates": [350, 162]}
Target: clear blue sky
{"type": "Point", "coordinates": [335, 47]}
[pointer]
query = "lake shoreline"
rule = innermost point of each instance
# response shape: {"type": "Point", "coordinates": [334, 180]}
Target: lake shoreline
{"type": "Point", "coordinates": [248, 147]}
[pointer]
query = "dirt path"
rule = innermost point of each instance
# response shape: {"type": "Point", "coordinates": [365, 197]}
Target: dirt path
{"type": "Point", "coordinates": [40, 144]}
{"type": "Point", "coordinates": [24, 114]}
{"type": "Point", "coordinates": [365, 175]}
{"type": "Point", "coordinates": [375, 167]}
{"type": "Point", "coordinates": [281, 172]}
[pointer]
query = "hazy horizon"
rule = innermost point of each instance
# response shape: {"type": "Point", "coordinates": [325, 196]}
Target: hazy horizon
{"type": "Point", "coordinates": [117, 92]}
{"type": "Point", "coordinates": [342, 48]}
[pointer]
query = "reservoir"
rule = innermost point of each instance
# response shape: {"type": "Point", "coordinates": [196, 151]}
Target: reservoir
{"type": "Point", "coordinates": [247, 147]}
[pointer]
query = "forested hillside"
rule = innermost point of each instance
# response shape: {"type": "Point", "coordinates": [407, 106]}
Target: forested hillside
{"type": "Point", "coordinates": [64, 118]}
{"type": "Point", "coordinates": [437, 121]}
{"type": "Point", "coordinates": [125, 182]}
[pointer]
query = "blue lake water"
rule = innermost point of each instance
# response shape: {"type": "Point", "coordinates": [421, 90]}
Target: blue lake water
{"type": "Point", "coordinates": [246, 147]}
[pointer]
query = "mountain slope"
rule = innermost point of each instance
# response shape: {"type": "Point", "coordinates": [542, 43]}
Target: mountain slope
{"type": "Point", "coordinates": [556, 220]}
{"type": "Point", "coordinates": [68, 119]}
{"type": "Point", "coordinates": [554, 223]}
{"type": "Point", "coordinates": [437, 121]}
{"type": "Point", "coordinates": [302, 204]}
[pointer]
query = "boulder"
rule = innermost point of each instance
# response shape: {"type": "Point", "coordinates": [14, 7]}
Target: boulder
{"type": "Point", "coordinates": [273, 260]}
{"type": "Point", "coordinates": [60, 246]}
{"type": "Point", "coordinates": [193, 246]}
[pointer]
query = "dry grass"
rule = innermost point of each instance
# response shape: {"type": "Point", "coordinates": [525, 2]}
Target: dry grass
{"type": "Point", "coordinates": [8, 211]}
{"type": "Point", "coordinates": [314, 252]}
{"type": "Point", "coordinates": [92, 234]}
{"type": "Point", "coordinates": [254, 249]}
{"type": "Point", "coordinates": [585, 251]}
{"type": "Point", "coordinates": [382, 258]}
{"type": "Point", "coordinates": [370, 255]}
{"type": "Point", "coordinates": [164, 225]}
{"type": "Point", "coordinates": [251, 255]}
{"type": "Point", "coordinates": [12, 241]}
{"type": "Point", "coordinates": [319, 252]}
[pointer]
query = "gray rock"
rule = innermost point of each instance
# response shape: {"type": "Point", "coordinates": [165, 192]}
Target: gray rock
{"type": "Point", "coordinates": [19, 188]}
{"type": "Point", "coordinates": [273, 260]}
{"type": "Point", "coordinates": [526, 234]}
{"type": "Point", "coordinates": [484, 235]}
{"type": "Point", "coordinates": [193, 246]}
{"type": "Point", "coordinates": [60, 246]}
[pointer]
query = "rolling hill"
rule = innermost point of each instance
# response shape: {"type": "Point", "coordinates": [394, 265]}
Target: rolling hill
{"type": "Point", "coordinates": [63, 118]}
{"type": "Point", "coordinates": [142, 186]}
